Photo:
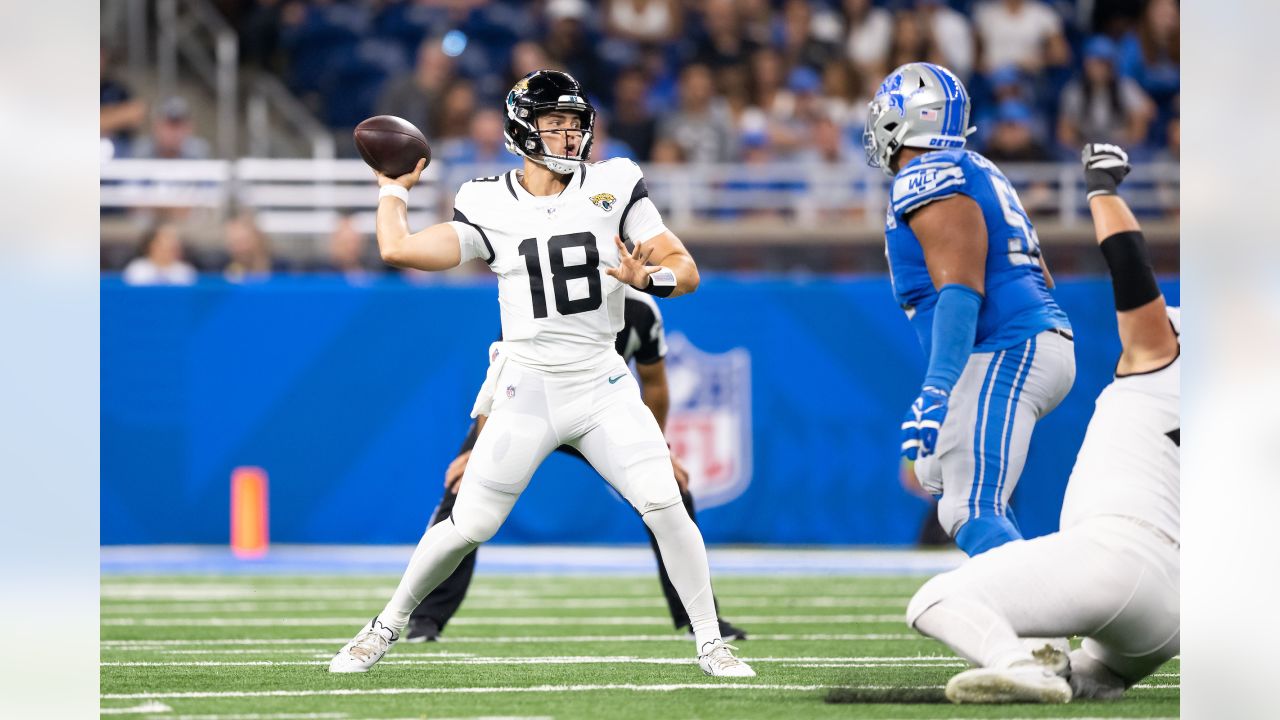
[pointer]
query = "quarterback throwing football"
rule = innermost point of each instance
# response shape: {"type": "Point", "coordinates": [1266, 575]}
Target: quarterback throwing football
{"type": "Point", "coordinates": [565, 237]}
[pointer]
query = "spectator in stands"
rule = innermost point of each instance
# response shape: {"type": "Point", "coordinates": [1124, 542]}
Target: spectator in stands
{"type": "Point", "coordinates": [120, 114]}
{"type": "Point", "coordinates": [248, 252]}
{"type": "Point", "coordinates": [798, 109]}
{"type": "Point", "coordinates": [722, 41]}
{"type": "Point", "coordinates": [484, 144]}
{"type": "Point", "coordinates": [416, 96]}
{"type": "Point", "coordinates": [648, 22]}
{"type": "Point", "coordinates": [666, 151]}
{"type": "Point", "coordinates": [952, 35]}
{"type": "Point", "coordinates": [844, 94]}
{"type": "Point", "coordinates": [348, 253]}
{"type": "Point", "coordinates": [734, 86]}
{"type": "Point", "coordinates": [1013, 140]}
{"type": "Point", "coordinates": [527, 56]}
{"type": "Point", "coordinates": [173, 135]}
{"type": "Point", "coordinates": [1026, 33]}
{"type": "Point", "coordinates": [456, 110]}
{"type": "Point", "coordinates": [867, 34]}
{"type": "Point", "coordinates": [767, 79]}
{"type": "Point", "coordinates": [632, 122]}
{"type": "Point", "coordinates": [807, 39]}
{"type": "Point", "coordinates": [700, 125]}
{"type": "Point", "coordinates": [567, 43]}
{"type": "Point", "coordinates": [605, 147]}
{"type": "Point", "coordinates": [1151, 55]}
{"type": "Point", "coordinates": [159, 260]}
{"type": "Point", "coordinates": [912, 40]}
{"type": "Point", "coordinates": [1100, 105]}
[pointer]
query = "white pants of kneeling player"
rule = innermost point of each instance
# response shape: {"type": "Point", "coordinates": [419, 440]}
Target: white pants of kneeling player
{"type": "Point", "coordinates": [982, 445]}
{"type": "Point", "coordinates": [599, 412]}
{"type": "Point", "coordinates": [1109, 579]}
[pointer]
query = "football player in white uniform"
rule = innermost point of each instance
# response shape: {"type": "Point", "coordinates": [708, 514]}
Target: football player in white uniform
{"type": "Point", "coordinates": [564, 237]}
{"type": "Point", "coordinates": [1111, 573]}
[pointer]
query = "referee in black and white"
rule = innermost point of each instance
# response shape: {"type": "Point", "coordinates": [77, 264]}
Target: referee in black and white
{"type": "Point", "coordinates": [642, 339]}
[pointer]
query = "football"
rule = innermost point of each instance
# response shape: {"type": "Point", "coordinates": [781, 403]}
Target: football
{"type": "Point", "coordinates": [391, 145]}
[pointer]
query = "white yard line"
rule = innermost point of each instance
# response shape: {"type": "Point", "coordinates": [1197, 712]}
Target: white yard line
{"type": "Point", "coordinates": [926, 661]}
{"type": "Point", "coordinates": [110, 608]}
{"type": "Point", "coordinates": [488, 621]}
{"type": "Point", "coordinates": [149, 644]}
{"type": "Point", "coordinates": [739, 687]}
{"type": "Point", "coordinates": [147, 707]}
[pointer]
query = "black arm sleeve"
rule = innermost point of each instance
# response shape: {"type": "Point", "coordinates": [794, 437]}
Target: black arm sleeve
{"type": "Point", "coordinates": [1132, 279]}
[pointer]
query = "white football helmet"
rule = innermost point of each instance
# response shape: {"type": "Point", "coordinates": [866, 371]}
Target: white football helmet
{"type": "Point", "coordinates": [919, 105]}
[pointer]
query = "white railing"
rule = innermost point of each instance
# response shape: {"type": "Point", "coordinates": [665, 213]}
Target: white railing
{"type": "Point", "coordinates": [304, 197]}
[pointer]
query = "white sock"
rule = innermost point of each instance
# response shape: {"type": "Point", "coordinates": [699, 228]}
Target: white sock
{"type": "Point", "coordinates": [974, 631]}
{"type": "Point", "coordinates": [686, 559]}
{"type": "Point", "coordinates": [438, 554]}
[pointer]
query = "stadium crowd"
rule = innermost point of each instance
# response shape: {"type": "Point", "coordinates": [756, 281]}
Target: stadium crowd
{"type": "Point", "coordinates": [699, 81]}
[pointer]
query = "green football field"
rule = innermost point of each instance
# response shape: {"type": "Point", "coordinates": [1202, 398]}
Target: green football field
{"type": "Point", "coordinates": [583, 646]}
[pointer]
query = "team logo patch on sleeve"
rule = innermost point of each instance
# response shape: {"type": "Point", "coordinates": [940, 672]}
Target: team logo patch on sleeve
{"type": "Point", "coordinates": [604, 201]}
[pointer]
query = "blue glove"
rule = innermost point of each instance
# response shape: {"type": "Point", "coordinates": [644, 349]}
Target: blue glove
{"type": "Point", "coordinates": [924, 419]}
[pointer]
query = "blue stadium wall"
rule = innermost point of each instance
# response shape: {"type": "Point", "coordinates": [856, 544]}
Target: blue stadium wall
{"type": "Point", "coordinates": [354, 399]}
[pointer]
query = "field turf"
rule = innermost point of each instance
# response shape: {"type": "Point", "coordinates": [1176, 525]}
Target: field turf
{"type": "Point", "coordinates": [577, 646]}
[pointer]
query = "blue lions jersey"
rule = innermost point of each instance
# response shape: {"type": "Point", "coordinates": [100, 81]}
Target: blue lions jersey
{"type": "Point", "coordinates": [1017, 304]}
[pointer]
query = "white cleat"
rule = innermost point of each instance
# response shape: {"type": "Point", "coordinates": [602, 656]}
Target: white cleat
{"type": "Point", "coordinates": [717, 660]}
{"type": "Point", "coordinates": [1026, 682]}
{"type": "Point", "coordinates": [366, 649]}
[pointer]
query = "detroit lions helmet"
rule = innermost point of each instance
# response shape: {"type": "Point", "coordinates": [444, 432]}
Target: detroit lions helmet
{"type": "Point", "coordinates": [539, 92]}
{"type": "Point", "coordinates": [919, 105]}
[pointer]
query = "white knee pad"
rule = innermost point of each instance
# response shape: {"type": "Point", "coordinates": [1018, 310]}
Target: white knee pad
{"type": "Point", "coordinates": [651, 484]}
{"type": "Point", "coordinates": [931, 593]}
{"type": "Point", "coordinates": [480, 511]}
{"type": "Point", "coordinates": [953, 511]}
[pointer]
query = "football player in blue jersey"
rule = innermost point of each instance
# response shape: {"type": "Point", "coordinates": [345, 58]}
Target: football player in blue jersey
{"type": "Point", "coordinates": [966, 267]}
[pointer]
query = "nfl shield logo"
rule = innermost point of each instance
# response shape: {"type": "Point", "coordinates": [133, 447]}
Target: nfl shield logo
{"type": "Point", "coordinates": [709, 423]}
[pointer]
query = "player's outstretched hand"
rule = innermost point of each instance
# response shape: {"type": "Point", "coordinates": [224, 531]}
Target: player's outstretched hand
{"type": "Point", "coordinates": [1104, 167]}
{"type": "Point", "coordinates": [405, 181]}
{"type": "Point", "coordinates": [453, 473]}
{"type": "Point", "coordinates": [682, 475]}
{"type": "Point", "coordinates": [632, 268]}
{"type": "Point", "coordinates": [924, 419]}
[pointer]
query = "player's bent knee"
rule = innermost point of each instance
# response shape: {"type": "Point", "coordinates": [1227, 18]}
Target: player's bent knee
{"type": "Point", "coordinates": [652, 485]}
{"type": "Point", "coordinates": [480, 512]}
{"type": "Point", "coordinates": [929, 594]}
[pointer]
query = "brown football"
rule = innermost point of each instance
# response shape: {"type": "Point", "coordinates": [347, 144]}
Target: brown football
{"type": "Point", "coordinates": [391, 145]}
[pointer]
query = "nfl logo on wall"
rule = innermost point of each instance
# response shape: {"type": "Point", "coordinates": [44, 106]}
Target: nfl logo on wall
{"type": "Point", "coordinates": [709, 423]}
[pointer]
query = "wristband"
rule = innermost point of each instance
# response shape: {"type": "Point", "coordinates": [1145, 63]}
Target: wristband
{"type": "Point", "coordinates": [395, 191]}
{"type": "Point", "coordinates": [661, 283]}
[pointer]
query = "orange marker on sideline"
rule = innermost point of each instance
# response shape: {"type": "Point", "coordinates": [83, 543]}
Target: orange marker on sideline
{"type": "Point", "coordinates": [249, 512]}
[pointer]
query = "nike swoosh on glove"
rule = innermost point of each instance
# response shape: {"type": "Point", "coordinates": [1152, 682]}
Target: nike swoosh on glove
{"type": "Point", "coordinates": [924, 419]}
{"type": "Point", "coordinates": [1104, 167]}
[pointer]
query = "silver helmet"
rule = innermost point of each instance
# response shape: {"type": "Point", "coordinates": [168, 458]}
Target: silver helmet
{"type": "Point", "coordinates": [919, 105]}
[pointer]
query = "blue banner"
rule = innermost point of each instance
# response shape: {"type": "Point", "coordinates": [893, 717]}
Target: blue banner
{"type": "Point", "coordinates": [355, 398]}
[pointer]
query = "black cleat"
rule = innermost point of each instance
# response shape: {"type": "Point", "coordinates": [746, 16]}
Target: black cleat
{"type": "Point", "coordinates": [421, 630]}
{"type": "Point", "coordinates": [729, 632]}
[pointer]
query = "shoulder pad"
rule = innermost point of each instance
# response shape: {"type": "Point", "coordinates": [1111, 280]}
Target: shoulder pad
{"type": "Point", "coordinates": [925, 182]}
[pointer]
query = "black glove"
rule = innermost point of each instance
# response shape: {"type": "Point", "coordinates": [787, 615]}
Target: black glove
{"type": "Point", "coordinates": [1104, 167]}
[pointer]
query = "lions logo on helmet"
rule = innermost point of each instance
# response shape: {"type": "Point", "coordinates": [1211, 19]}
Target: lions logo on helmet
{"type": "Point", "coordinates": [604, 201]}
{"type": "Point", "coordinates": [919, 105]}
{"type": "Point", "coordinates": [539, 92]}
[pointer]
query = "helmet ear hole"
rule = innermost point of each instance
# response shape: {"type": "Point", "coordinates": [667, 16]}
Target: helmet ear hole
{"type": "Point", "coordinates": [891, 126]}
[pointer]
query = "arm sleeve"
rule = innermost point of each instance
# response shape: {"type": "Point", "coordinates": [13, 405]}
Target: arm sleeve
{"type": "Point", "coordinates": [653, 338]}
{"type": "Point", "coordinates": [926, 183]}
{"type": "Point", "coordinates": [472, 240]}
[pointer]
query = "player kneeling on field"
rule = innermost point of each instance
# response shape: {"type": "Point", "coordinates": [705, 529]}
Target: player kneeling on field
{"type": "Point", "coordinates": [1111, 573]}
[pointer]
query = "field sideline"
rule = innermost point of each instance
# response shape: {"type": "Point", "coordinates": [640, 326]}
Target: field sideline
{"type": "Point", "coordinates": [216, 645]}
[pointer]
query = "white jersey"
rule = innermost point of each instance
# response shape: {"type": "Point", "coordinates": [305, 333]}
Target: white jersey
{"type": "Point", "coordinates": [1129, 463]}
{"type": "Point", "coordinates": [560, 310]}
